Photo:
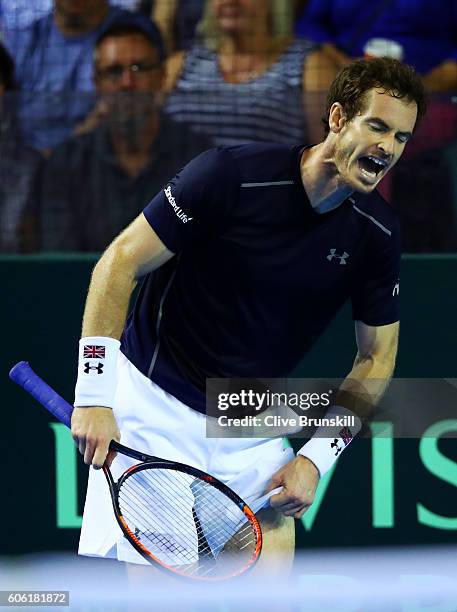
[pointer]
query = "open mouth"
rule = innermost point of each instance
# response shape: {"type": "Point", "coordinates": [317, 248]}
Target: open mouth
{"type": "Point", "coordinates": [371, 166]}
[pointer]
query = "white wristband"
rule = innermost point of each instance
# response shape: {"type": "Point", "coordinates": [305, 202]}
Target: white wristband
{"type": "Point", "coordinates": [331, 438]}
{"type": "Point", "coordinates": [96, 384]}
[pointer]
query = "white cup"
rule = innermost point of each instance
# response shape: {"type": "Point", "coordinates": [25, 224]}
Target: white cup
{"type": "Point", "coordinates": [383, 47]}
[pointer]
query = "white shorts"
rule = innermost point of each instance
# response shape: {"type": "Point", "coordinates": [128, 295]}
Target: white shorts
{"type": "Point", "coordinates": [154, 422]}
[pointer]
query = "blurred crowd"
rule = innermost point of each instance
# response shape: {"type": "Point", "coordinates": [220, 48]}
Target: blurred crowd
{"type": "Point", "coordinates": [102, 102]}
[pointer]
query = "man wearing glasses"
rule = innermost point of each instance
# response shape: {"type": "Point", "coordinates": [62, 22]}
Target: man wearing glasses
{"type": "Point", "coordinates": [95, 184]}
{"type": "Point", "coordinates": [53, 57]}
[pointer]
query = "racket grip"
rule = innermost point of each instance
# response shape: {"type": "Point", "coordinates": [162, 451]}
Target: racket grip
{"type": "Point", "coordinates": [25, 377]}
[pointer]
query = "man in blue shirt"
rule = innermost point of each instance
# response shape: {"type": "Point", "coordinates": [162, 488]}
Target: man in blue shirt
{"type": "Point", "coordinates": [54, 68]}
{"type": "Point", "coordinates": [246, 256]}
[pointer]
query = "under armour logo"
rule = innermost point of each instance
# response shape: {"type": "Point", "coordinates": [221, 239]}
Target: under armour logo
{"type": "Point", "coordinates": [335, 445]}
{"type": "Point", "coordinates": [396, 290]}
{"type": "Point", "coordinates": [342, 257]}
{"type": "Point", "coordinates": [88, 367]}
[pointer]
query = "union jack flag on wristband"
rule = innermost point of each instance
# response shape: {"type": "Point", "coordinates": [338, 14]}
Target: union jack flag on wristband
{"type": "Point", "coordinates": [93, 351]}
{"type": "Point", "coordinates": [346, 435]}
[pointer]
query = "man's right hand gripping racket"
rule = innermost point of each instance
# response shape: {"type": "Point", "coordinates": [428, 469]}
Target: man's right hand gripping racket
{"type": "Point", "coordinates": [176, 516]}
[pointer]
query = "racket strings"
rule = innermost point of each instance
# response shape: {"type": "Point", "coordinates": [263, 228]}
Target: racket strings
{"type": "Point", "coordinates": [162, 542]}
{"type": "Point", "coordinates": [152, 499]}
{"type": "Point", "coordinates": [214, 528]}
{"type": "Point", "coordinates": [136, 511]}
{"type": "Point", "coordinates": [186, 523]}
{"type": "Point", "coordinates": [137, 508]}
{"type": "Point", "coordinates": [224, 534]}
{"type": "Point", "coordinates": [219, 528]}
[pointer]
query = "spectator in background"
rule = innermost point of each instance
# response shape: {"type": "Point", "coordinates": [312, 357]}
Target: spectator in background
{"type": "Point", "coordinates": [422, 33]}
{"type": "Point", "coordinates": [19, 167]}
{"type": "Point", "coordinates": [95, 184]}
{"type": "Point", "coordinates": [20, 13]}
{"type": "Point", "coordinates": [245, 80]}
{"type": "Point", "coordinates": [178, 20]}
{"type": "Point", "coordinates": [54, 68]}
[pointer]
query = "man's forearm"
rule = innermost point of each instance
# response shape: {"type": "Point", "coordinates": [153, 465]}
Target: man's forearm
{"type": "Point", "coordinates": [442, 77]}
{"type": "Point", "coordinates": [359, 393]}
{"type": "Point", "coordinates": [112, 284]}
{"type": "Point", "coordinates": [364, 386]}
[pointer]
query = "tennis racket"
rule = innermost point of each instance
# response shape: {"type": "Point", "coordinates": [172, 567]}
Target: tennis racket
{"type": "Point", "coordinates": [176, 516]}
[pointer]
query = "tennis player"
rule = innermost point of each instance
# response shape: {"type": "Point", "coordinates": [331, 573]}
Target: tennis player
{"type": "Point", "coordinates": [245, 256]}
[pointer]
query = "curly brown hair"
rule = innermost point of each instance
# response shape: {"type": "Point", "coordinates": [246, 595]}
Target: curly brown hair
{"type": "Point", "coordinates": [385, 73]}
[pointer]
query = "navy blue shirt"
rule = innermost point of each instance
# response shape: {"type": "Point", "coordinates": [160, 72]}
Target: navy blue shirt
{"type": "Point", "coordinates": [258, 273]}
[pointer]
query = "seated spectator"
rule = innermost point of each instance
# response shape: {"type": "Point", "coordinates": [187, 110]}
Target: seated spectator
{"type": "Point", "coordinates": [420, 32]}
{"type": "Point", "coordinates": [178, 20]}
{"type": "Point", "coordinates": [54, 68]}
{"type": "Point", "coordinates": [19, 167]}
{"type": "Point", "coordinates": [245, 80]}
{"type": "Point", "coordinates": [20, 13]}
{"type": "Point", "coordinates": [96, 183]}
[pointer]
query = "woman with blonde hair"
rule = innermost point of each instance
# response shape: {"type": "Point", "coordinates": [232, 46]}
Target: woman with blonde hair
{"type": "Point", "coordinates": [244, 79]}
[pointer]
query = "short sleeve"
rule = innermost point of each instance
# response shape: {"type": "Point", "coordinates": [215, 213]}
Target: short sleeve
{"type": "Point", "coordinates": [376, 296]}
{"type": "Point", "coordinates": [195, 202]}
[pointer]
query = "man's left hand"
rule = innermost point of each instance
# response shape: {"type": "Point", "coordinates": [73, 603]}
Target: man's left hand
{"type": "Point", "coordinates": [298, 480]}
